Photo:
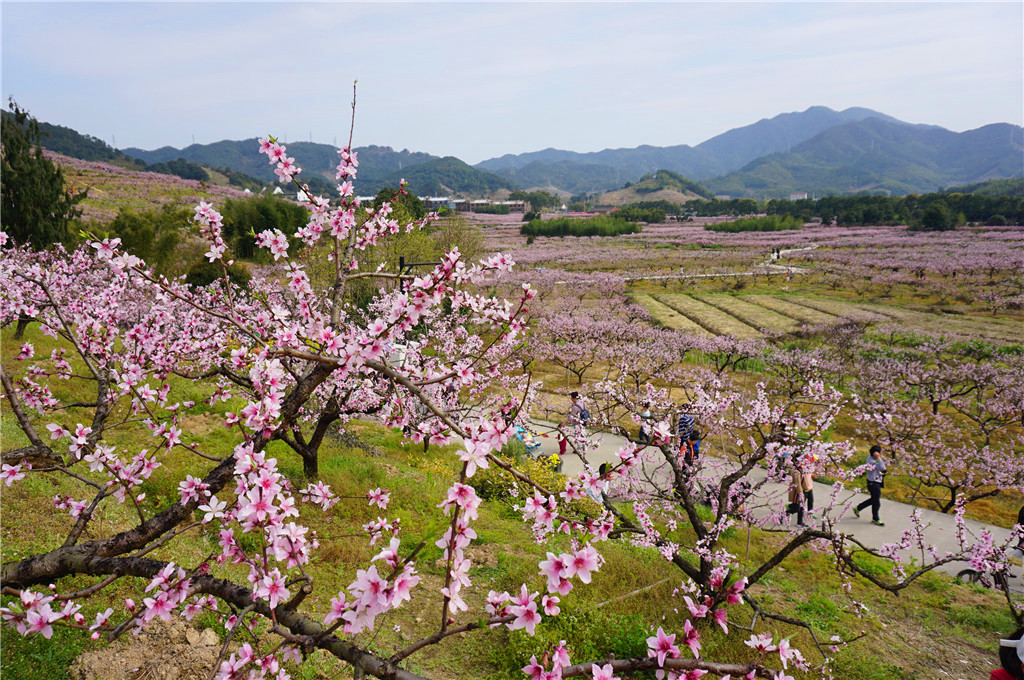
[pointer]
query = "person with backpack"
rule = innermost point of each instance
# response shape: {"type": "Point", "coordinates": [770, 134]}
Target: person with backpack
{"type": "Point", "coordinates": [691, 448]}
{"type": "Point", "coordinates": [686, 424]}
{"type": "Point", "coordinates": [876, 479]}
{"type": "Point", "coordinates": [578, 415]}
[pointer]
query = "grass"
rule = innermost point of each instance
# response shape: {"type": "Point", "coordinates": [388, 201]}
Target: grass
{"type": "Point", "coordinates": [753, 315]}
{"type": "Point", "coordinates": [781, 305]}
{"type": "Point", "coordinates": [929, 628]}
{"type": "Point", "coordinates": [504, 556]}
{"type": "Point", "coordinates": [710, 318]}
{"type": "Point", "coordinates": [668, 317]}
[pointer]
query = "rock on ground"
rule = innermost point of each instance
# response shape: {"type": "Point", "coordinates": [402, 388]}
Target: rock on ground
{"type": "Point", "coordinates": [171, 651]}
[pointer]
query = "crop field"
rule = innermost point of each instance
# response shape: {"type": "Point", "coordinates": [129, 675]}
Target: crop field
{"type": "Point", "coordinates": [783, 305]}
{"type": "Point", "coordinates": [751, 314]}
{"type": "Point", "coordinates": [668, 317]}
{"type": "Point", "coordinates": [709, 317]}
{"type": "Point", "coordinates": [746, 316]}
{"type": "Point", "coordinates": [731, 333]}
{"type": "Point", "coordinates": [967, 327]}
{"type": "Point", "coordinates": [837, 308]}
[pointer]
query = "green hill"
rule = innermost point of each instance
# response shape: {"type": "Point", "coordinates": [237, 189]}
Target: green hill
{"type": "Point", "coordinates": [878, 156]}
{"type": "Point", "coordinates": [376, 163]}
{"type": "Point", "coordinates": [447, 175]}
{"type": "Point", "coordinates": [1013, 188]}
{"type": "Point", "coordinates": [68, 142]}
{"type": "Point", "coordinates": [663, 185]}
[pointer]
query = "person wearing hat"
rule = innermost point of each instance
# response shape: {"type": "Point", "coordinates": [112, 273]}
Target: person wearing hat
{"type": "Point", "coordinates": [1011, 657]}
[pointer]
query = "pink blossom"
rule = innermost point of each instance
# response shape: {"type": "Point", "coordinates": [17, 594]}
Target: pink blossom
{"type": "Point", "coordinates": [662, 646]}
{"type": "Point", "coordinates": [11, 473]}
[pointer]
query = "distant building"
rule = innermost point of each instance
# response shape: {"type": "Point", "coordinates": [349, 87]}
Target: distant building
{"type": "Point", "coordinates": [436, 202]}
{"type": "Point", "coordinates": [797, 195]}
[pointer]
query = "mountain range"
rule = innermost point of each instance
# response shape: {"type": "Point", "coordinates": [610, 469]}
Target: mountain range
{"type": "Point", "coordinates": [820, 151]}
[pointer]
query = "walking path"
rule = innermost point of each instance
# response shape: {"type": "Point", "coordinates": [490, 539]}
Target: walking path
{"type": "Point", "coordinates": [940, 528]}
{"type": "Point", "coordinates": [766, 267]}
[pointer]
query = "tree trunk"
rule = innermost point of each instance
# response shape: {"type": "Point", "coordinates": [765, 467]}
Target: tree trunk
{"type": "Point", "coordinates": [23, 322]}
{"type": "Point", "coordinates": [310, 464]}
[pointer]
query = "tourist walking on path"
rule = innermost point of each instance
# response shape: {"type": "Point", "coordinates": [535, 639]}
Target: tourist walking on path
{"type": "Point", "coordinates": [690, 450]}
{"type": "Point", "coordinates": [574, 418]}
{"type": "Point", "coordinates": [876, 478]}
{"type": "Point", "coordinates": [808, 485]}
{"type": "Point", "coordinates": [799, 485]}
{"type": "Point", "coordinates": [1020, 521]}
{"type": "Point", "coordinates": [686, 425]}
{"type": "Point", "coordinates": [645, 425]}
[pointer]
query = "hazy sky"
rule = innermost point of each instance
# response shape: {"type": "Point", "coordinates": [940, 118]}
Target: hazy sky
{"type": "Point", "coordinates": [477, 80]}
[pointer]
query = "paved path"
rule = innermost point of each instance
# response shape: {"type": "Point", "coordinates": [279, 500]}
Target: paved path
{"type": "Point", "coordinates": [766, 267]}
{"type": "Point", "coordinates": [940, 528]}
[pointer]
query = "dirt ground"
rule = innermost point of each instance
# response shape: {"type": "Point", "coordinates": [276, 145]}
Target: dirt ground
{"type": "Point", "coordinates": [169, 651]}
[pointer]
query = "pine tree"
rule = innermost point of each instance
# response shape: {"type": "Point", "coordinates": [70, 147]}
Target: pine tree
{"type": "Point", "coordinates": [36, 206]}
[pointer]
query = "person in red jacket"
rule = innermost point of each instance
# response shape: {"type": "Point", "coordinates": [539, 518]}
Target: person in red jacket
{"type": "Point", "coordinates": [1011, 656]}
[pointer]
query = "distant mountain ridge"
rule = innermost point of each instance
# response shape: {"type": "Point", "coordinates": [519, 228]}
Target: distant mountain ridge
{"type": "Point", "coordinates": [719, 155]}
{"type": "Point", "coordinates": [879, 156]}
{"type": "Point", "coordinates": [818, 150]}
{"type": "Point", "coordinates": [379, 166]}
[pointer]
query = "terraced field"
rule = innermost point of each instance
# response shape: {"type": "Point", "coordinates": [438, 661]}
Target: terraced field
{"type": "Point", "coordinates": [746, 316]}
{"type": "Point", "coordinates": [669, 317]}
{"type": "Point", "coordinates": [804, 315]}
{"type": "Point", "coordinates": [709, 317]}
{"type": "Point", "coordinates": [838, 309]}
{"type": "Point", "coordinates": [967, 327]}
{"type": "Point", "coordinates": [755, 316]}
{"type": "Point", "coordinates": [992, 329]}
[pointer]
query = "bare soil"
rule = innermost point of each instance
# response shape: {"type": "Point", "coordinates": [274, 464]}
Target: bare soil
{"type": "Point", "coordinates": [168, 651]}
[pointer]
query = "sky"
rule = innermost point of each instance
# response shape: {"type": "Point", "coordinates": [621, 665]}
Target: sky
{"type": "Point", "coordinates": [479, 80]}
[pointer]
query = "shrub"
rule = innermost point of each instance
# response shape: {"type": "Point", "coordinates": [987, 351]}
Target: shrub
{"type": "Point", "coordinates": [769, 223]}
{"type": "Point", "coordinates": [496, 484]}
{"type": "Point", "coordinates": [567, 226]}
{"type": "Point", "coordinates": [996, 221]}
{"type": "Point", "coordinates": [247, 216]}
{"type": "Point", "coordinates": [154, 235]}
{"type": "Point", "coordinates": [492, 209]}
{"type": "Point", "coordinates": [637, 214]}
{"type": "Point", "coordinates": [937, 217]}
{"type": "Point", "coordinates": [203, 273]}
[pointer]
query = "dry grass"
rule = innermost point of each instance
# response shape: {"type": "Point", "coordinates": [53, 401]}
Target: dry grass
{"type": "Point", "coordinates": [837, 308]}
{"type": "Point", "coordinates": [710, 318]}
{"type": "Point", "coordinates": [668, 317]}
{"type": "Point", "coordinates": [805, 315]}
{"type": "Point", "coordinates": [751, 314]}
